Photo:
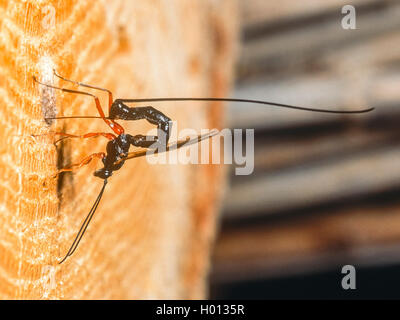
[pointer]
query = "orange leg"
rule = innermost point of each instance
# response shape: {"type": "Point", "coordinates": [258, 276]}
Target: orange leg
{"type": "Point", "coordinates": [110, 95]}
{"type": "Point", "coordinates": [83, 162]}
{"type": "Point", "coordinates": [109, 136]}
{"type": "Point", "coordinates": [117, 128]}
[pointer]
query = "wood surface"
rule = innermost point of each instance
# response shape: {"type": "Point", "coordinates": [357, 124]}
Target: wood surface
{"type": "Point", "coordinates": [152, 233]}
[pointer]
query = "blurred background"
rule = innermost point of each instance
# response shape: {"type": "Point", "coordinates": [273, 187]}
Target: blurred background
{"type": "Point", "coordinates": [325, 188]}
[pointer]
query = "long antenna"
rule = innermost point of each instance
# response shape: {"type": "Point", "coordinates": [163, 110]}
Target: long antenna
{"type": "Point", "coordinates": [247, 101]}
{"type": "Point", "coordinates": [85, 224]}
{"type": "Point", "coordinates": [274, 104]}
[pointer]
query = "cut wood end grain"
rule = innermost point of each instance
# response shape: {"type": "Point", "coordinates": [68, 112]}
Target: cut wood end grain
{"type": "Point", "coordinates": [152, 233]}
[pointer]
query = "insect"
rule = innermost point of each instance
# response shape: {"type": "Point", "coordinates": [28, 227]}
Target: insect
{"type": "Point", "coordinates": [117, 150]}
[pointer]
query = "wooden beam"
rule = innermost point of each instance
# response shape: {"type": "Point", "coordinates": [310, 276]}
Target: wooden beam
{"type": "Point", "coordinates": [364, 236]}
{"type": "Point", "coordinates": [306, 185]}
{"type": "Point", "coordinates": [152, 232]}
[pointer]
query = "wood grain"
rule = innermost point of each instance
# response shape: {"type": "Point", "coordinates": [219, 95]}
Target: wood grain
{"type": "Point", "coordinates": [152, 233]}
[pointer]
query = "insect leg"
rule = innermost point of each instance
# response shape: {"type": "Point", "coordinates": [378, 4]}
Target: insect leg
{"type": "Point", "coordinates": [64, 135]}
{"type": "Point", "coordinates": [118, 129]}
{"type": "Point", "coordinates": [109, 136]}
{"type": "Point", "coordinates": [110, 95]}
{"type": "Point", "coordinates": [84, 161]}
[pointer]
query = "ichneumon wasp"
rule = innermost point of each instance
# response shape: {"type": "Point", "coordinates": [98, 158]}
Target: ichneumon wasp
{"type": "Point", "coordinates": [117, 150]}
